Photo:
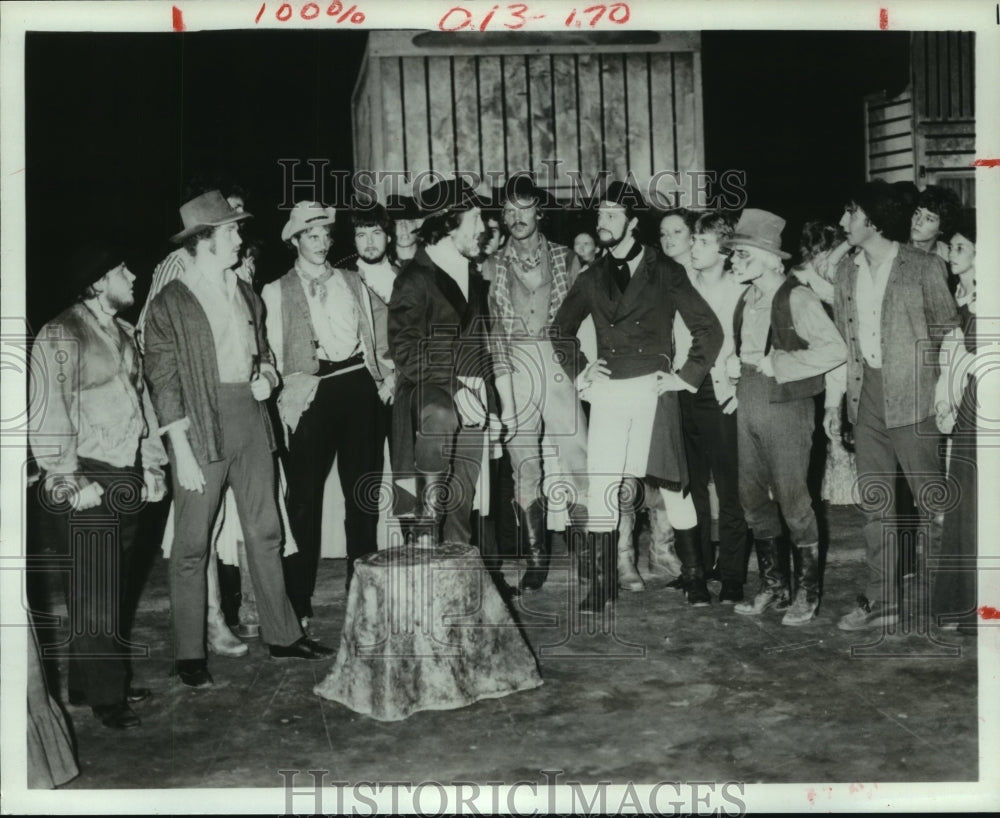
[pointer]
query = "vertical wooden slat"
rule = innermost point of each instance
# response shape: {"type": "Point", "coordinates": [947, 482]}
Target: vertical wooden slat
{"type": "Point", "coordinates": [441, 124]}
{"type": "Point", "coordinates": [662, 130]}
{"type": "Point", "coordinates": [394, 151]}
{"type": "Point", "coordinates": [969, 73]}
{"type": "Point", "coordinates": [686, 130]}
{"type": "Point", "coordinates": [542, 132]}
{"type": "Point", "coordinates": [614, 116]}
{"type": "Point", "coordinates": [466, 118]}
{"type": "Point", "coordinates": [590, 117]}
{"type": "Point", "coordinates": [918, 60]}
{"type": "Point", "coordinates": [564, 91]}
{"type": "Point", "coordinates": [515, 89]}
{"type": "Point", "coordinates": [491, 117]}
{"type": "Point", "coordinates": [639, 132]}
{"type": "Point", "coordinates": [415, 112]}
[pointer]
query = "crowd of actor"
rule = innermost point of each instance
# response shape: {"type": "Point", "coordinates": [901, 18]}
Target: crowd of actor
{"type": "Point", "coordinates": [520, 387]}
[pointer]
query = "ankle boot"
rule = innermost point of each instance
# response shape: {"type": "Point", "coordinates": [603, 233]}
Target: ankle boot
{"type": "Point", "coordinates": [628, 576]}
{"type": "Point", "coordinates": [427, 510]}
{"type": "Point", "coordinates": [803, 609]}
{"type": "Point", "coordinates": [692, 573]}
{"type": "Point", "coordinates": [221, 640]}
{"type": "Point", "coordinates": [536, 550]}
{"type": "Point", "coordinates": [601, 550]}
{"type": "Point", "coordinates": [773, 592]}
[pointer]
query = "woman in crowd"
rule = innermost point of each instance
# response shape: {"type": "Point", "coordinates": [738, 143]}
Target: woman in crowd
{"type": "Point", "coordinates": [953, 601]}
{"type": "Point", "coordinates": [677, 235]}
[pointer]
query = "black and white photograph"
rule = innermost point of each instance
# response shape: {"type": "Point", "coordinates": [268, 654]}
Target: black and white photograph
{"type": "Point", "coordinates": [469, 407]}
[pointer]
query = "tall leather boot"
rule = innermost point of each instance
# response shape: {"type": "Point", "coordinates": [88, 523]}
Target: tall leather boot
{"type": "Point", "coordinates": [803, 609]}
{"type": "Point", "coordinates": [578, 543]}
{"type": "Point", "coordinates": [692, 572]}
{"type": "Point", "coordinates": [426, 526]}
{"type": "Point", "coordinates": [663, 559]}
{"type": "Point", "coordinates": [628, 576]}
{"type": "Point", "coordinates": [773, 592]}
{"type": "Point", "coordinates": [536, 549]}
{"type": "Point", "coordinates": [602, 552]}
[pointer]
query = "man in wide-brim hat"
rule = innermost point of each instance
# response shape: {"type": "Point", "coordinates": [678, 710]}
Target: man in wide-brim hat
{"type": "Point", "coordinates": [633, 293]}
{"type": "Point", "coordinates": [210, 370]}
{"type": "Point", "coordinates": [784, 345]}
{"type": "Point", "coordinates": [96, 440]}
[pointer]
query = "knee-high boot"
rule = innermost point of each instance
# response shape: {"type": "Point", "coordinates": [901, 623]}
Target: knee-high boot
{"type": "Point", "coordinates": [601, 550]}
{"type": "Point", "coordinates": [806, 601]}
{"type": "Point", "coordinates": [692, 572]}
{"type": "Point", "coordinates": [536, 547]}
{"type": "Point", "coordinates": [773, 592]}
{"type": "Point", "coordinates": [628, 576]}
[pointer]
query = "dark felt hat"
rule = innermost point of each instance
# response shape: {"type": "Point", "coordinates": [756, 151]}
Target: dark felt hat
{"type": "Point", "coordinates": [759, 228]}
{"type": "Point", "coordinates": [449, 194]}
{"type": "Point", "coordinates": [90, 262]}
{"type": "Point", "coordinates": [207, 210]}
{"type": "Point", "coordinates": [523, 188]}
{"type": "Point", "coordinates": [402, 207]}
{"type": "Point", "coordinates": [625, 195]}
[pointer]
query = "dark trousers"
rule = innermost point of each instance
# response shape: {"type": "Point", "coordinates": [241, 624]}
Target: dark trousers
{"type": "Point", "coordinates": [450, 452]}
{"type": "Point", "coordinates": [344, 423]}
{"type": "Point", "coordinates": [248, 467]}
{"type": "Point", "coordinates": [99, 542]}
{"type": "Point", "coordinates": [915, 448]}
{"type": "Point", "coordinates": [711, 442]}
{"type": "Point", "coordinates": [775, 443]}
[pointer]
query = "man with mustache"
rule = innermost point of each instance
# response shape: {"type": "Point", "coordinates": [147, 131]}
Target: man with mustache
{"type": "Point", "coordinates": [97, 443]}
{"type": "Point", "coordinates": [530, 280]}
{"type": "Point", "coordinates": [444, 402]}
{"type": "Point", "coordinates": [633, 294]}
{"type": "Point", "coordinates": [210, 369]}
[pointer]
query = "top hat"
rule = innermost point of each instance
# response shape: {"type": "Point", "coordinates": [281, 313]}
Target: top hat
{"type": "Point", "coordinates": [449, 194]}
{"type": "Point", "coordinates": [402, 207]}
{"type": "Point", "coordinates": [207, 210]}
{"type": "Point", "coordinates": [305, 215]}
{"type": "Point", "coordinates": [759, 228]}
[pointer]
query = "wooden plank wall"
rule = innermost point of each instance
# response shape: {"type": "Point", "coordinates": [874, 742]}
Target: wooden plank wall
{"type": "Point", "coordinates": [506, 113]}
{"type": "Point", "coordinates": [889, 131]}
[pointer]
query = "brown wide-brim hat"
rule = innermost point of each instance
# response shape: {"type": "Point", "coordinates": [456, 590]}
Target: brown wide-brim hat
{"type": "Point", "coordinates": [207, 210]}
{"type": "Point", "coordinates": [759, 228]}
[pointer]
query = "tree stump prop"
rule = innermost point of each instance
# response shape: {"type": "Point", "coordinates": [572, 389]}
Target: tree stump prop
{"type": "Point", "coordinates": [425, 629]}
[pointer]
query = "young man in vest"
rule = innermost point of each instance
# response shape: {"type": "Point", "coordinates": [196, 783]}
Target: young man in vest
{"type": "Point", "coordinates": [210, 371]}
{"type": "Point", "coordinates": [892, 304]}
{"type": "Point", "coordinates": [539, 406]}
{"type": "Point", "coordinates": [784, 344]}
{"type": "Point", "coordinates": [98, 445]}
{"type": "Point", "coordinates": [633, 294]}
{"type": "Point", "coordinates": [322, 330]}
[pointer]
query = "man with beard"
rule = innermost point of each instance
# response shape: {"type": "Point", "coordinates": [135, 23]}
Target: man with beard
{"type": "Point", "coordinates": [322, 329]}
{"type": "Point", "coordinates": [437, 337]}
{"type": "Point", "coordinates": [633, 294]}
{"type": "Point", "coordinates": [98, 445]}
{"type": "Point", "coordinates": [210, 371]}
{"type": "Point", "coordinates": [539, 406]}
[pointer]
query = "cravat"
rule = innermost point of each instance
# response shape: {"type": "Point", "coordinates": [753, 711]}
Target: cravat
{"type": "Point", "coordinates": [621, 272]}
{"type": "Point", "coordinates": [317, 286]}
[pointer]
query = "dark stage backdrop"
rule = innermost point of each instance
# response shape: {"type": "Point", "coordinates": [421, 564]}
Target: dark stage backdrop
{"type": "Point", "coordinates": [116, 124]}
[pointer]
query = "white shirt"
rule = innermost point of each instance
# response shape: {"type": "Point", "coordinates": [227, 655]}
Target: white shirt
{"type": "Point", "coordinates": [870, 294]}
{"type": "Point", "coordinates": [334, 319]}
{"type": "Point", "coordinates": [230, 319]}
{"type": "Point", "coordinates": [379, 277]}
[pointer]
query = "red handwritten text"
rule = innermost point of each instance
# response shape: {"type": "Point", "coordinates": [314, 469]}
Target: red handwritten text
{"type": "Point", "coordinates": [312, 11]}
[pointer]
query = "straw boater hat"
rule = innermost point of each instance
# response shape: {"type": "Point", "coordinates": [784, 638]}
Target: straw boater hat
{"type": "Point", "coordinates": [305, 215]}
{"type": "Point", "coordinates": [207, 210]}
{"type": "Point", "coordinates": [759, 228]}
